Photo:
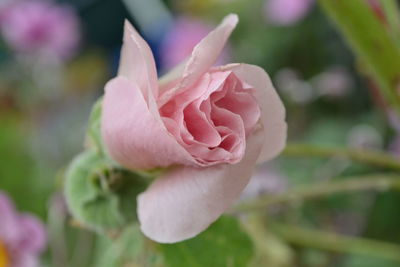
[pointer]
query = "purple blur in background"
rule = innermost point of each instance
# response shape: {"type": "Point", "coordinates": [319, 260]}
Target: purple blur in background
{"type": "Point", "coordinates": [185, 33]}
{"type": "Point", "coordinates": [40, 27]}
{"type": "Point", "coordinates": [22, 235]}
{"type": "Point", "coordinates": [286, 12]}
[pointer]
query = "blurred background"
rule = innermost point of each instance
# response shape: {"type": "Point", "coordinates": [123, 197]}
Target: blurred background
{"type": "Point", "coordinates": [56, 56]}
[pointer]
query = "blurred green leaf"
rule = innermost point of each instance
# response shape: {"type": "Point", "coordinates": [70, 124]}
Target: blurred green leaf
{"type": "Point", "coordinates": [360, 261]}
{"type": "Point", "coordinates": [223, 244]}
{"type": "Point", "coordinates": [371, 41]}
{"type": "Point", "coordinates": [19, 175]}
{"type": "Point", "coordinates": [99, 195]}
{"type": "Point", "coordinates": [93, 135]}
{"type": "Point", "coordinates": [384, 217]}
{"type": "Point", "coordinates": [130, 248]}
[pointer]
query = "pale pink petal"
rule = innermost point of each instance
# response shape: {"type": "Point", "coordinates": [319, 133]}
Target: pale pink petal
{"type": "Point", "coordinates": [134, 137]}
{"type": "Point", "coordinates": [137, 62]}
{"type": "Point", "coordinates": [272, 109]}
{"type": "Point", "coordinates": [32, 235]}
{"type": "Point", "coordinates": [204, 55]}
{"type": "Point", "coordinates": [185, 201]}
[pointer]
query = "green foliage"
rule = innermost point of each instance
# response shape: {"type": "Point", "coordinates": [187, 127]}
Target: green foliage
{"type": "Point", "coordinates": [130, 248]}
{"type": "Point", "coordinates": [93, 136]}
{"type": "Point", "coordinates": [357, 261]}
{"type": "Point", "coordinates": [19, 175]}
{"type": "Point", "coordinates": [99, 195]}
{"type": "Point", "coordinates": [223, 244]}
{"type": "Point", "coordinates": [371, 42]}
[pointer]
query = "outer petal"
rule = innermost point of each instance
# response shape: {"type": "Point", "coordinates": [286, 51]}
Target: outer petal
{"type": "Point", "coordinates": [137, 62]}
{"type": "Point", "coordinates": [272, 109]}
{"type": "Point", "coordinates": [204, 55]}
{"type": "Point", "coordinates": [185, 201]}
{"type": "Point", "coordinates": [133, 136]}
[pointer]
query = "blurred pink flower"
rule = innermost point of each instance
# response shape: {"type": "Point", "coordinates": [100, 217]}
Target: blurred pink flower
{"type": "Point", "coordinates": [40, 27]}
{"type": "Point", "coordinates": [179, 42]}
{"type": "Point", "coordinates": [334, 82]}
{"type": "Point", "coordinates": [22, 236]}
{"type": "Point", "coordinates": [286, 12]}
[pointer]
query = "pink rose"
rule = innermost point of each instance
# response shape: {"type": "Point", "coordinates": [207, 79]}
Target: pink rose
{"type": "Point", "coordinates": [209, 125]}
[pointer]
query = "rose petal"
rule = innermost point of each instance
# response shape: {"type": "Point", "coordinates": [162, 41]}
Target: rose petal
{"type": "Point", "coordinates": [185, 201]}
{"type": "Point", "coordinates": [133, 136]}
{"type": "Point", "coordinates": [204, 55]}
{"type": "Point", "coordinates": [272, 109]}
{"type": "Point", "coordinates": [137, 62]}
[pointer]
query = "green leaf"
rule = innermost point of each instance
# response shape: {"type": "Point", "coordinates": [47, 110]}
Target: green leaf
{"type": "Point", "coordinates": [371, 41]}
{"type": "Point", "coordinates": [99, 195]}
{"type": "Point", "coordinates": [223, 244]}
{"type": "Point", "coordinates": [131, 248]}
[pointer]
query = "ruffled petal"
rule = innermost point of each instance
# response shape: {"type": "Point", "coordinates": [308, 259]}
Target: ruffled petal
{"type": "Point", "coordinates": [137, 62]}
{"type": "Point", "coordinates": [134, 137]}
{"type": "Point", "coordinates": [203, 56]}
{"type": "Point", "coordinates": [272, 109]}
{"type": "Point", "coordinates": [185, 201]}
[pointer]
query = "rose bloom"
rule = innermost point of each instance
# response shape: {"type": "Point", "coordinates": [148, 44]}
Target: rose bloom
{"type": "Point", "coordinates": [22, 237]}
{"type": "Point", "coordinates": [40, 27]}
{"type": "Point", "coordinates": [207, 126]}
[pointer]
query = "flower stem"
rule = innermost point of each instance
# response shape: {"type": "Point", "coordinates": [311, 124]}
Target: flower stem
{"type": "Point", "coordinates": [371, 182]}
{"type": "Point", "coordinates": [369, 157]}
{"type": "Point", "coordinates": [335, 242]}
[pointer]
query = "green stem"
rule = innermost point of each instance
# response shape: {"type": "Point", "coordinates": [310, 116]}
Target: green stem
{"type": "Point", "coordinates": [391, 9]}
{"type": "Point", "coordinates": [371, 42]}
{"type": "Point", "coordinates": [362, 183]}
{"type": "Point", "coordinates": [369, 157]}
{"type": "Point", "coordinates": [336, 243]}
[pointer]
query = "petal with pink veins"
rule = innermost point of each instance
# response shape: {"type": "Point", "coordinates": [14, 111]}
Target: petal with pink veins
{"type": "Point", "coordinates": [185, 200]}
{"type": "Point", "coordinates": [134, 137]}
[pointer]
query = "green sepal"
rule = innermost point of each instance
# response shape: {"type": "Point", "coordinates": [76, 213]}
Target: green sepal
{"type": "Point", "coordinates": [94, 140]}
{"type": "Point", "coordinates": [100, 195]}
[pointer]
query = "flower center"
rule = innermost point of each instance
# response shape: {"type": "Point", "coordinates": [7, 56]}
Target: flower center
{"type": "Point", "coordinates": [4, 259]}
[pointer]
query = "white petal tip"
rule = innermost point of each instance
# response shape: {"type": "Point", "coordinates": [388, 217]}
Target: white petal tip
{"type": "Point", "coordinates": [128, 28]}
{"type": "Point", "coordinates": [232, 19]}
